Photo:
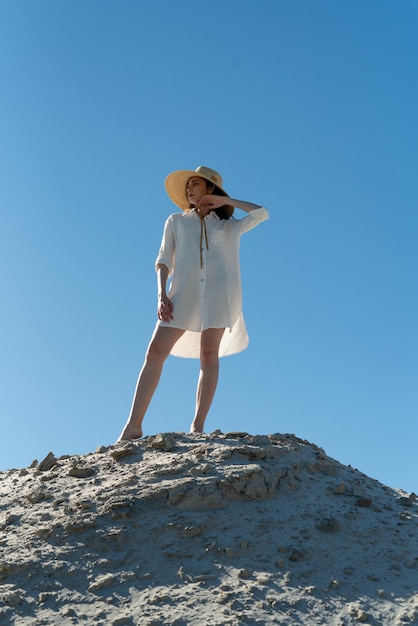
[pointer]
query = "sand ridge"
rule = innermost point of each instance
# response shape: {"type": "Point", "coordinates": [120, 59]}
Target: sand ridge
{"type": "Point", "coordinates": [217, 529]}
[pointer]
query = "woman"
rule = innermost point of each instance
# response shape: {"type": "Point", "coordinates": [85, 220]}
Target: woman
{"type": "Point", "coordinates": [201, 315]}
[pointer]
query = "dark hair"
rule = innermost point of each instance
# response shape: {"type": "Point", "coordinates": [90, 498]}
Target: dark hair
{"type": "Point", "coordinates": [225, 211]}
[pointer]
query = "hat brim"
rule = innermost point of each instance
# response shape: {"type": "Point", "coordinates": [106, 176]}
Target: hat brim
{"type": "Point", "coordinates": [175, 186]}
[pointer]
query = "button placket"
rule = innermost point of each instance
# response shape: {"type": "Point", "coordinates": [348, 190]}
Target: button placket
{"type": "Point", "coordinates": [202, 284]}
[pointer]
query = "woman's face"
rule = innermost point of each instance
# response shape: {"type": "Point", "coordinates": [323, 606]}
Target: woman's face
{"type": "Point", "coordinates": [196, 188]}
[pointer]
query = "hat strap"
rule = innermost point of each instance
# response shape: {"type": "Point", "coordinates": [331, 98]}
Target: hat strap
{"type": "Point", "coordinates": [203, 228]}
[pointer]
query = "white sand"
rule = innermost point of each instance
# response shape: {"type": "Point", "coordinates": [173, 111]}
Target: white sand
{"type": "Point", "coordinates": [205, 530]}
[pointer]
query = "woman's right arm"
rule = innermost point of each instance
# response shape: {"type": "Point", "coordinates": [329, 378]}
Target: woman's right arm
{"type": "Point", "coordinates": [163, 266]}
{"type": "Point", "coordinates": [162, 277]}
{"type": "Point", "coordinates": [165, 306]}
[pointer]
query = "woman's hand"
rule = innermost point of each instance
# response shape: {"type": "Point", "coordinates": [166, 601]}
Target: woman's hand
{"type": "Point", "coordinates": [211, 202]}
{"type": "Point", "coordinates": [165, 309]}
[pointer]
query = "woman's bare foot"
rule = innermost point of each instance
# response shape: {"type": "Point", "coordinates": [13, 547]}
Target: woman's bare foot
{"type": "Point", "coordinates": [130, 433]}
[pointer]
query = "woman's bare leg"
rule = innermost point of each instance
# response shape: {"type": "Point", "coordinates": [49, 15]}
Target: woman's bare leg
{"type": "Point", "coordinates": [208, 377]}
{"type": "Point", "coordinates": [161, 343]}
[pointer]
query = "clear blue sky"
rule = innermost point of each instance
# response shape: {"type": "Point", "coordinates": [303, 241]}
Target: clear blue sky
{"type": "Point", "coordinates": [306, 106]}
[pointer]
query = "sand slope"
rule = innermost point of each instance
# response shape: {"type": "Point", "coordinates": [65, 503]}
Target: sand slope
{"type": "Point", "coordinates": [205, 530]}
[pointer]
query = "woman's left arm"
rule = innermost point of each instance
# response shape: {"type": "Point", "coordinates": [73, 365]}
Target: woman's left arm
{"type": "Point", "coordinates": [214, 202]}
{"type": "Point", "coordinates": [243, 205]}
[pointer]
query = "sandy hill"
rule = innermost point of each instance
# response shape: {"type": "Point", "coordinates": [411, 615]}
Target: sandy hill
{"type": "Point", "coordinates": [205, 530]}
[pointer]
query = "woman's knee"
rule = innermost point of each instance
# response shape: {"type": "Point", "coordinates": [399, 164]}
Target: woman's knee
{"type": "Point", "coordinates": [156, 352]}
{"type": "Point", "coordinates": [161, 343]}
{"type": "Point", "coordinates": [209, 346]}
{"type": "Point", "coordinates": [209, 354]}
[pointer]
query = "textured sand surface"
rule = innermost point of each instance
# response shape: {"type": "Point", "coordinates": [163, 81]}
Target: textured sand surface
{"type": "Point", "coordinates": [205, 530]}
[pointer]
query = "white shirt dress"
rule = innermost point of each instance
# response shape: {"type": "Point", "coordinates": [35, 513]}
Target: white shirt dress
{"type": "Point", "coordinates": [205, 286]}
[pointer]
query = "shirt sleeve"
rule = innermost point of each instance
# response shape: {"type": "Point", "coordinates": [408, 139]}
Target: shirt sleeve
{"type": "Point", "coordinates": [254, 217]}
{"type": "Point", "coordinates": [167, 248]}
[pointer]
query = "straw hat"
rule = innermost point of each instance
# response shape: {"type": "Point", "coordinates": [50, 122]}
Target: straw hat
{"type": "Point", "coordinates": [175, 184]}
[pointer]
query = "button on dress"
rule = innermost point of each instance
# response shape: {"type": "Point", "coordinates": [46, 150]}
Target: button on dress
{"type": "Point", "coordinates": [205, 286]}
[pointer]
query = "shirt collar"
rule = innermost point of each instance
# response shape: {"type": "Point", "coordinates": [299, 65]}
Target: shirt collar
{"type": "Point", "coordinates": [212, 215]}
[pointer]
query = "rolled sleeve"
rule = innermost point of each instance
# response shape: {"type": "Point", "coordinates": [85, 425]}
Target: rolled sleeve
{"type": "Point", "coordinates": [166, 252]}
{"type": "Point", "coordinates": [254, 217]}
